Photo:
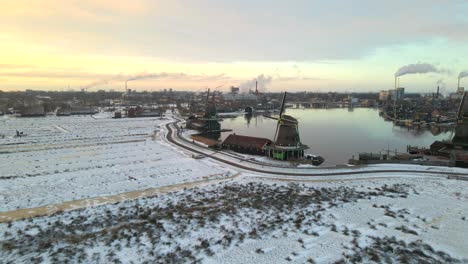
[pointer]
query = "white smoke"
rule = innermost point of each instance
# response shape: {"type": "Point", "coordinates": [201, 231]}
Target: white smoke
{"type": "Point", "coordinates": [463, 74]}
{"type": "Point", "coordinates": [142, 76]}
{"type": "Point", "coordinates": [95, 83]}
{"type": "Point", "coordinates": [103, 81]}
{"type": "Point", "coordinates": [178, 76]}
{"type": "Point", "coordinates": [262, 81]}
{"type": "Point", "coordinates": [416, 68]}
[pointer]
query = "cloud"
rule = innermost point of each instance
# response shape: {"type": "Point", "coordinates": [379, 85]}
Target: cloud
{"type": "Point", "coordinates": [309, 30]}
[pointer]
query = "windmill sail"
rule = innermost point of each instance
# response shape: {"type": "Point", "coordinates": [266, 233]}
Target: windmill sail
{"type": "Point", "coordinates": [280, 115]}
{"type": "Point", "coordinates": [282, 105]}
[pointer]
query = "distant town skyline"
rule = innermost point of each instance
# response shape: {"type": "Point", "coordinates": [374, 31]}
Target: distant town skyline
{"type": "Point", "coordinates": [354, 46]}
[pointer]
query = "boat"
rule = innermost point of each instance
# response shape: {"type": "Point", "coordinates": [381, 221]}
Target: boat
{"type": "Point", "coordinates": [315, 160]}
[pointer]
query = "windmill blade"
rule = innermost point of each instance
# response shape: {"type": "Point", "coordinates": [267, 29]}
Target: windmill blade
{"type": "Point", "coordinates": [282, 105]}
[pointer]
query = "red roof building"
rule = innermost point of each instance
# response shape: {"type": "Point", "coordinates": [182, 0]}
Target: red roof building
{"type": "Point", "coordinates": [246, 144]}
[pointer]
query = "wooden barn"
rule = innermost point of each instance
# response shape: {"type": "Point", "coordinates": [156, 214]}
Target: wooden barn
{"type": "Point", "coordinates": [246, 144]}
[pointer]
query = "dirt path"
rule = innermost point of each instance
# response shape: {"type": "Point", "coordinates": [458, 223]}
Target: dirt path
{"type": "Point", "coordinates": [97, 201]}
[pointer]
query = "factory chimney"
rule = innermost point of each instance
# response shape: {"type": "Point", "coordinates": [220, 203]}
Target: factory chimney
{"type": "Point", "coordinates": [256, 88]}
{"type": "Point", "coordinates": [437, 95]}
{"type": "Point", "coordinates": [126, 90]}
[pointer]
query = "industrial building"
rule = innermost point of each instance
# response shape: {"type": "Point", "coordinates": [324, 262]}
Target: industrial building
{"type": "Point", "coordinates": [33, 111]}
{"type": "Point", "coordinates": [76, 110]}
{"type": "Point", "coordinates": [395, 95]}
{"type": "Point", "coordinates": [143, 112]}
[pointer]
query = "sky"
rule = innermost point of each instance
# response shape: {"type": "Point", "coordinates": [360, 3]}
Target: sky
{"type": "Point", "coordinates": [301, 45]}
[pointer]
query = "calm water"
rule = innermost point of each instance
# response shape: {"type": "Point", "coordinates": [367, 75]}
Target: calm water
{"type": "Point", "coordinates": [338, 134]}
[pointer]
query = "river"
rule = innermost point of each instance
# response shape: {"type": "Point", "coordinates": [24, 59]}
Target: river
{"type": "Point", "coordinates": [338, 134]}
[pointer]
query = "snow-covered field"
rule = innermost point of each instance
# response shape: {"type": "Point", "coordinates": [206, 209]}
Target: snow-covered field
{"type": "Point", "coordinates": [243, 218]}
{"type": "Point", "coordinates": [69, 158]}
{"type": "Point", "coordinates": [414, 220]}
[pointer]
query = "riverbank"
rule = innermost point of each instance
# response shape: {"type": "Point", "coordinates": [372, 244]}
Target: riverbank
{"type": "Point", "coordinates": [338, 134]}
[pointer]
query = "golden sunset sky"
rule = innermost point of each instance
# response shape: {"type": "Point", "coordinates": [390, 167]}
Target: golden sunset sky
{"type": "Point", "coordinates": [191, 45]}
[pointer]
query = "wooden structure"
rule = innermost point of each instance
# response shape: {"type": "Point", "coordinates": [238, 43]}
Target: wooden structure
{"type": "Point", "coordinates": [143, 112]}
{"type": "Point", "coordinates": [209, 121]}
{"type": "Point", "coordinates": [287, 143]}
{"type": "Point", "coordinates": [461, 131]}
{"type": "Point", "coordinates": [33, 111]}
{"type": "Point", "coordinates": [246, 144]}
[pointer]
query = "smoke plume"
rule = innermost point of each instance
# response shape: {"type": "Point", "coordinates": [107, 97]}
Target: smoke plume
{"type": "Point", "coordinates": [142, 76]}
{"type": "Point", "coordinates": [103, 81]}
{"type": "Point", "coordinates": [463, 74]}
{"type": "Point", "coordinates": [177, 76]}
{"type": "Point", "coordinates": [441, 83]}
{"type": "Point", "coordinates": [262, 82]}
{"type": "Point", "coordinates": [416, 68]}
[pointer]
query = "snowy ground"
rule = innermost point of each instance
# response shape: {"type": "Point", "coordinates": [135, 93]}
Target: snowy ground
{"type": "Point", "coordinates": [410, 220]}
{"type": "Point", "coordinates": [69, 158]}
{"type": "Point", "coordinates": [250, 218]}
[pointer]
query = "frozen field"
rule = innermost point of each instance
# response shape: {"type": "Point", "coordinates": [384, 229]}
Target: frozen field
{"type": "Point", "coordinates": [243, 218]}
{"type": "Point", "coordinates": [415, 220]}
{"type": "Point", "coordinates": [69, 158]}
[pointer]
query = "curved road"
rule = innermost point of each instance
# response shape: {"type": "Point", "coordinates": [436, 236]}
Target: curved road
{"type": "Point", "coordinates": [170, 138]}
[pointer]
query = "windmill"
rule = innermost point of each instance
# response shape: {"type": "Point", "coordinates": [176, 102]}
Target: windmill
{"type": "Point", "coordinates": [287, 143]}
{"type": "Point", "coordinates": [461, 131]}
{"type": "Point", "coordinates": [210, 110]}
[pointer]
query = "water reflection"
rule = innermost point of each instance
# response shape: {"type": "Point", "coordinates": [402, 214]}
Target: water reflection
{"type": "Point", "coordinates": [338, 134]}
{"type": "Point", "coordinates": [247, 118]}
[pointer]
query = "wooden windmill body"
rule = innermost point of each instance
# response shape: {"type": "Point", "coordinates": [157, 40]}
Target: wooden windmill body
{"type": "Point", "coordinates": [460, 137]}
{"type": "Point", "coordinates": [287, 143]}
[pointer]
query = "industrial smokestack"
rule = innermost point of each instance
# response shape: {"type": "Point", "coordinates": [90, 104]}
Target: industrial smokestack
{"type": "Point", "coordinates": [256, 87]}
{"type": "Point", "coordinates": [437, 95]}
{"type": "Point", "coordinates": [126, 90]}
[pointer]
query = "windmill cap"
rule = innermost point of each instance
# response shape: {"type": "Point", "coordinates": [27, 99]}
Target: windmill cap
{"type": "Point", "coordinates": [288, 118]}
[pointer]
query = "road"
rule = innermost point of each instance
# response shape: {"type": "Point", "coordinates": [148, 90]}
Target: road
{"type": "Point", "coordinates": [309, 171]}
